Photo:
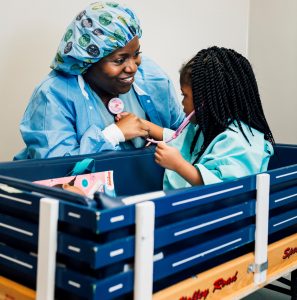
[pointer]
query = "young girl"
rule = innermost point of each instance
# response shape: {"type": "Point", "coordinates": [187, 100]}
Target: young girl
{"type": "Point", "coordinates": [228, 136]}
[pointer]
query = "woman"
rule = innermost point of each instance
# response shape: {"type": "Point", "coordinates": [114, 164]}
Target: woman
{"type": "Point", "coordinates": [97, 63]}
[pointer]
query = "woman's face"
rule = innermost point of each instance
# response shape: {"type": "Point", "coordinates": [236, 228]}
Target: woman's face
{"type": "Point", "coordinates": [114, 74]}
{"type": "Point", "coordinates": [187, 101]}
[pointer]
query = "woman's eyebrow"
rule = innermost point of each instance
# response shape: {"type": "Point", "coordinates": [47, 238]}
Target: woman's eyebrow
{"type": "Point", "coordinates": [127, 54]}
{"type": "Point", "coordinates": [124, 54]}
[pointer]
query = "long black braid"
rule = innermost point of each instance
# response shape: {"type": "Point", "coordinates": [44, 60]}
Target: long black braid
{"type": "Point", "coordinates": [224, 91]}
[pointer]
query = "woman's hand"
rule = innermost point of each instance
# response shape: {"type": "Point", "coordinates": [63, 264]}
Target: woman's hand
{"type": "Point", "coordinates": [168, 157]}
{"type": "Point", "coordinates": [132, 126]}
{"type": "Point", "coordinates": [118, 117]}
{"type": "Point", "coordinates": [154, 131]}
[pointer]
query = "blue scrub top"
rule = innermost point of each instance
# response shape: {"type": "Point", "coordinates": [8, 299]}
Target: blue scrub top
{"type": "Point", "coordinates": [61, 121]}
{"type": "Point", "coordinates": [228, 156]}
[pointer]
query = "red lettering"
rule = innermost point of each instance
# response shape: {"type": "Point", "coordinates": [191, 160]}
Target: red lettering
{"type": "Point", "coordinates": [289, 251]}
{"type": "Point", "coordinates": [221, 282]}
{"type": "Point", "coordinates": [205, 293]}
{"type": "Point", "coordinates": [218, 284]}
{"type": "Point", "coordinates": [286, 253]}
{"type": "Point", "coordinates": [108, 178]}
{"type": "Point", "coordinates": [197, 295]}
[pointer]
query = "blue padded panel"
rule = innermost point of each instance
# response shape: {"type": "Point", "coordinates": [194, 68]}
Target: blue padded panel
{"type": "Point", "coordinates": [285, 155]}
{"type": "Point", "coordinates": [130, 168]}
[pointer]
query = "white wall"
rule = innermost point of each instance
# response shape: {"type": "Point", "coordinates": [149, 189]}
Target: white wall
{"type": "Point", "coordinates": [173, 31]}
{"type": "Point", "coordinates": [273, 53]}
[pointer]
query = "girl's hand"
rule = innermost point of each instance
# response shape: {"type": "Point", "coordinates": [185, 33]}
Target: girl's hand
{"type": "Point", "coordinates": [132, 126]}
{"type": "Point", "coordinates": [168, 157]}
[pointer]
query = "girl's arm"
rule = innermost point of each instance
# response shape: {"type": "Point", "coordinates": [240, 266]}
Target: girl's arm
{"type": "Point", "coordinates": [170, 158]}
{"type": "Point", "coordinates": [155, 132]}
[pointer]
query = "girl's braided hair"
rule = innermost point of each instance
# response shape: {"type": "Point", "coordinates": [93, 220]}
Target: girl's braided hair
{"type": "Point", "coordinates": [224, 90]}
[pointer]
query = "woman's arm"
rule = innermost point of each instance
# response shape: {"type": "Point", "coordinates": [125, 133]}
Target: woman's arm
{"type": "Point", "coordinates": [49, 130]}
{"type": "Point", "coordinates": [154, 131]}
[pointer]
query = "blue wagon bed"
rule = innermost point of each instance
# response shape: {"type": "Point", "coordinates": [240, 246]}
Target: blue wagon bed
{"type": "Point", "coordinates": [221, 241]}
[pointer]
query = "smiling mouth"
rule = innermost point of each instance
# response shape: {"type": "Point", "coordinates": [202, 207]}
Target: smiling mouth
{"type": "Point", "coordinates": [127, 80]}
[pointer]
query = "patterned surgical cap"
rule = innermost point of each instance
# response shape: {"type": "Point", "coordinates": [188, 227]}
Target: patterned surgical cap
{"type": "Point", "coordinates": [96, 32]}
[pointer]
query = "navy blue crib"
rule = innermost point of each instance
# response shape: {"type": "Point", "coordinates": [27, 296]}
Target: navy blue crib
{"type": "Point", "coordinates": [233, 237]}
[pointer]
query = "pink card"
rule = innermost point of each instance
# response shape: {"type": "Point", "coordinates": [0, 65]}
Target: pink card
{"type": "Point", "coordinates": [86, 184]}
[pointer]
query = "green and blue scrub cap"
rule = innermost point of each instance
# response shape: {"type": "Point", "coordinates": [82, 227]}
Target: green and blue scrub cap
{"type": "Point", "coordinates": [96, 32]}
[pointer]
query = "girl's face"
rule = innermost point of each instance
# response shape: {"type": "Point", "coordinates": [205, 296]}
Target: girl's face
{"type": "Point", "coordinates": [187, 101]}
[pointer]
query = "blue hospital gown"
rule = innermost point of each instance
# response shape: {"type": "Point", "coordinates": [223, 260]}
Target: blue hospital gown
{"type": "Point", "coordinates": [228, 156]}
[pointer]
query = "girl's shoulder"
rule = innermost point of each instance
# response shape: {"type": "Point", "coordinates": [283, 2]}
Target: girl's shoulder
{"type": "Point", "coordinates": [252, 139]}
{"type": "Point", "coordinates": [233, 137]}
{"type": "Point", "coordinates": [243, 131]}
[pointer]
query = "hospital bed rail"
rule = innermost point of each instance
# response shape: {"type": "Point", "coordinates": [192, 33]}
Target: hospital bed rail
{"type": "Point", "coordinates": [152, 245]}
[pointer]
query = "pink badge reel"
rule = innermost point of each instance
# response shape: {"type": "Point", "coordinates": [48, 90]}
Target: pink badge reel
{"type": "Point", "coordinates": [178, 131]}
{"type": "Point", "coordinates": [115, 106]}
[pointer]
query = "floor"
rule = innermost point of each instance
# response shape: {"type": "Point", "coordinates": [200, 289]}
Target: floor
{"type": "Point", "coordinates": [266, 294]}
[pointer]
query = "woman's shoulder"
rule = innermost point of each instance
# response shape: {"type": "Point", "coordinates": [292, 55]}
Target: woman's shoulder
{"type": "Point", "coordinates": [56, 82]}
{"type": "Point", "coordinates": [150, 70]}
{"type": "Point", "coordinates": [57, 88]}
